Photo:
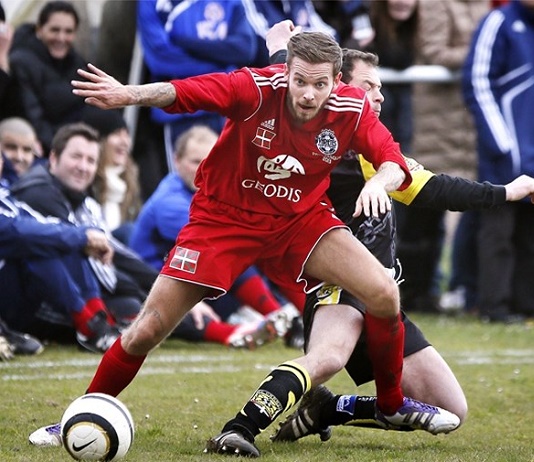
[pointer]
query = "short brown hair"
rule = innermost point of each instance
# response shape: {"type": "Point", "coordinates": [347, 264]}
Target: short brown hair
{"type": "Point", "coordinates": [351, 57]}
{"type": "Point", "coordinates": [315, 48]}
{"type": "Point", "coordinates": [66, 132]}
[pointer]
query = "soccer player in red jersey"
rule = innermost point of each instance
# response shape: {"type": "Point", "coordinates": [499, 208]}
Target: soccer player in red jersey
{"type": "Point", "coordinates": [261, 200]}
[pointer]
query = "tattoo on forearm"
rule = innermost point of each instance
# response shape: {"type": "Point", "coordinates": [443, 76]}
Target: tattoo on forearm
{"type": "Point", "coordinates": [391, 176]}
{"type": "Point", "coordinates": [159, 94]}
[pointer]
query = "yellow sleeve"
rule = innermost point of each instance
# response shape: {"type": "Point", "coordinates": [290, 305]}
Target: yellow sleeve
{"type": "Point", "coordinates": [420, 177]}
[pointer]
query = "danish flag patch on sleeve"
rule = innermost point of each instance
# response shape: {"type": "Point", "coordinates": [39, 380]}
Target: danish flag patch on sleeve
{"type": "Point", "coordinates": [185, 260]}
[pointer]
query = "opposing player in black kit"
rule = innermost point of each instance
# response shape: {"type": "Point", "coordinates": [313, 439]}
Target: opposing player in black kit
{"type": "Point", "coordinates": [426, 375]}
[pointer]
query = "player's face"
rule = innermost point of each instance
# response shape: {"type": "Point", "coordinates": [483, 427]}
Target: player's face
{"type": "Point", "coordinates": [58, 33]}
{"type": "Point", "coordinates": [196, 151]}
{"type": "Point", "coordinates": [309, 86]}
{"type": "Point", "coordinates": [366, 76]}
{"type": "Point", "coordinates": [19, 149]}
{"type": "Point", "coordinates": [117, 147]}
{"type": "Point", "coordinates": [76, 167]}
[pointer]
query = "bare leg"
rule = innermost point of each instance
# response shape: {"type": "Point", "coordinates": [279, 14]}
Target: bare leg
{"type": "Point", "coordinates": [427, 377]}
{"type": "Point", "coordinates": [168, 302]}
{"type": "Point", "coordinates": [334, 334]}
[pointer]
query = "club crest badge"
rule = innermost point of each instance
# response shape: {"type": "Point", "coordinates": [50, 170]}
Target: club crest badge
{"type": "Point", "coordinates": [327, 142]}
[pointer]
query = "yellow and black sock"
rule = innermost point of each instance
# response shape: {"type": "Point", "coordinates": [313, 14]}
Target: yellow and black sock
{"type": "Point", "coordinates": [280, 390]}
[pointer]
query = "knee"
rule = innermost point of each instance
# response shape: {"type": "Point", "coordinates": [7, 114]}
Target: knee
{"type": "Point", "coordinates": [142, 335]}
{"type": "Point", "coordinates": [323, 366]}
{"type": "Point", "coordinates": [385, 301]}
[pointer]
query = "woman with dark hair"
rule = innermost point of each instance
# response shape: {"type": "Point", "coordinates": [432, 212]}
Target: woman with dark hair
{"type": "Point", "coordinates": [43, 62]}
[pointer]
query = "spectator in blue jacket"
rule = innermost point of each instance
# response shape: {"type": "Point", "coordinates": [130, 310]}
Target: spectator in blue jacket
{"type": "Point", "coordinates": [498, 84]}
{"type": "Point", "coordinates": [43, 260]}
{"type": "Point", "coordinates": [62, 189]}
{"type": "Point", "coordinates": [183, 39]}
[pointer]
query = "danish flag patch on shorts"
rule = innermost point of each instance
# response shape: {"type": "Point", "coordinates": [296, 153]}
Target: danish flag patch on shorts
{"type": "Point", "coordinates": [185, 260]}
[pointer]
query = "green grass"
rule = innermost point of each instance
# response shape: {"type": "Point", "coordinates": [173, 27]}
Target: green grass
{"type": "Point", "coordinates": [186, 392]}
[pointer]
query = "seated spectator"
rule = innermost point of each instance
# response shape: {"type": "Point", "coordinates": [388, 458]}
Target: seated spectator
{"type": "Point", "coordinates": [61, 189]}
{"type": "Point", "coordinates": [17, 145]}
{"type": "Point", "coordinates": [167, 211]}
{"type": "Point", "coordinates": [43, 63]}
{"type": "Point", "coordinates": [116, 185]}
{"type": "Point", "coordinates": [43, 260]}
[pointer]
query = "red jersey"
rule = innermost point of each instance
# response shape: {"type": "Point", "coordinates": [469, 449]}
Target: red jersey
{"type": "Point", "coordinates": [265, 163]}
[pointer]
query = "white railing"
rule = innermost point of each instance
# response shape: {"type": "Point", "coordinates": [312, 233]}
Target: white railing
{"type": "Point", "coordinates": [419, 73]}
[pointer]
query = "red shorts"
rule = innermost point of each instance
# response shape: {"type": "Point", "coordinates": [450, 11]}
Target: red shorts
{"type": "Point", "coordinates": [221, 241]}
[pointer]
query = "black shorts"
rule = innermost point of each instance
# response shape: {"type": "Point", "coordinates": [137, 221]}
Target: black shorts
{"type": "Point", "coordinates": [359, 366]}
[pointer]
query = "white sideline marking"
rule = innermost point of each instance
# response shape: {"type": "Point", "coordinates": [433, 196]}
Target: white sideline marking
{"type": "Point", "coordinates": [502, 357]}
{"type": "Point", "coordinates": [94, 360]}
{"type": "Point", "coordinates": [185, 364]}
{"type": "Point", "coordinates": [41, 369]}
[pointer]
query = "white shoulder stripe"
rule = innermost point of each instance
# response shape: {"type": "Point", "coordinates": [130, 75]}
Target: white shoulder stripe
{"type": "Point", "coordinates": [338, 103]}
{"type": "Point", "coordinates": [356, 104]}
{"type": "Point", "coordinates": [339, 98]}
{"type": "Point", "coordinates": [343, 108]}
{"type": "Point", "coordinates": [277, 80]}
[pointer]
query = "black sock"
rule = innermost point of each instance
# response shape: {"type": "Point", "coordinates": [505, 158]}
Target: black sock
{"type": "Point", "coordinates": [280, 390]}
{"type": "Point", "coordinates": [348, 408]}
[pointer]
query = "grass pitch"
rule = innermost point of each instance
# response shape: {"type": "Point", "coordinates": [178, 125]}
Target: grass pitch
{"type": "Point", "coordinates": [186, 392]}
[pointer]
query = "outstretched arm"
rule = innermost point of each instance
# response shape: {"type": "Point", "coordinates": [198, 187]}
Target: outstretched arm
{"type": "Point", "coordinates": [445, 192]}
{"type": "Point", "coordinates": [103, 91]}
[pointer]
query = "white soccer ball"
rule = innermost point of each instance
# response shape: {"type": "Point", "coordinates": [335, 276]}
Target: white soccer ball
{"type": "Point", "coordinates": [97, 426]}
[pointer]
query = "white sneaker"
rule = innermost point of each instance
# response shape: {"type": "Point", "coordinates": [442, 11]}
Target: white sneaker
{"type": "Point", "coordinates": [48, 436]}
{"type": "Point", "coordinates": [415, 415]}
{"type": "Point", "coordinates": [281, 321]}
{"type": "Point", "coordinates": [252, 335]}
